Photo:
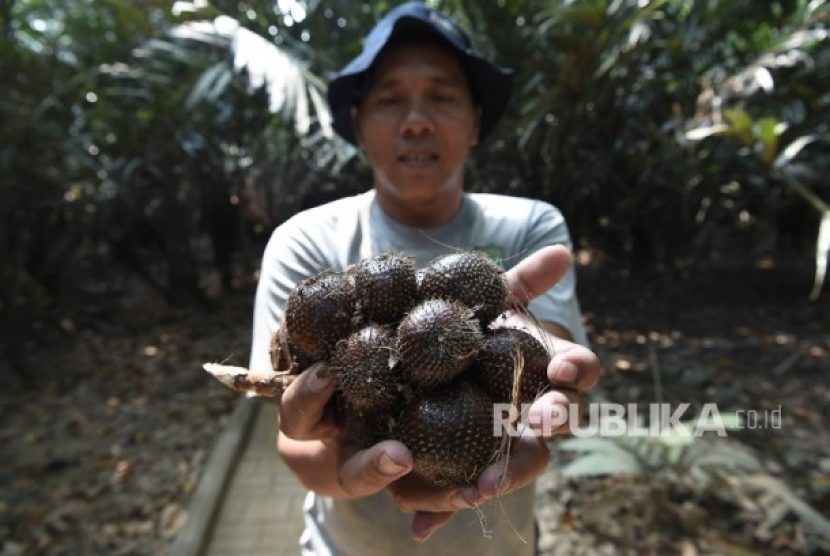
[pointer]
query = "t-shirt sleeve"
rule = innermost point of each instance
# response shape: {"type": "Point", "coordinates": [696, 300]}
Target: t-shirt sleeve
{"type": "Point", "coordinates": [559, 305]}
{"type": "Point", "coordinates": [289, 257]}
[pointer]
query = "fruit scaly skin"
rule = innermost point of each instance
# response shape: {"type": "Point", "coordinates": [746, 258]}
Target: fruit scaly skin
{"type": "Point", "coordinates": [407, 366]}
{"type": "Point", "coordinates": [366, 368]}
{"type": "Point", "coordinates": [470, 278]}
{"type": "Point", "coordinates": [437, 340]}
{"type": "Point", "coordinates": [385, 287]}
{"type": "Point", "coordinates": [286, 358]}
{"type": "Point", "coordinates": [450, 434]}
{"type": "Point", "coordinates": [319, 312]}
{"type": "Point", "coordinates": [499, 355]}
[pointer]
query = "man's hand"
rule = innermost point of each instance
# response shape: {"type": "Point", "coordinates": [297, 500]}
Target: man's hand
{"type": "Point", "coordinates": [304, 409]}
{"type": "Point", "coordinates": [573, 369]}
{"type": "Point", "coordinates": [311, 439]}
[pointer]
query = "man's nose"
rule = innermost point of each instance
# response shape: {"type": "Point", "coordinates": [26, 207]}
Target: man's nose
{"type": "Point", "coordinates": [417, 119]}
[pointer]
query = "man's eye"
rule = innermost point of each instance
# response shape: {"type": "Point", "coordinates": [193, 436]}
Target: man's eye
{"type": "Point", "coordinates": [386, 101]}
{"type": "Point", "coordinates": [443, 97]}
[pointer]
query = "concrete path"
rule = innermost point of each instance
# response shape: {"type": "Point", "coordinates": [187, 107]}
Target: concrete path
{"type": "Point", "coordinates": [261, 512]}
{"type": "Point", "coordinates": [248, 502]}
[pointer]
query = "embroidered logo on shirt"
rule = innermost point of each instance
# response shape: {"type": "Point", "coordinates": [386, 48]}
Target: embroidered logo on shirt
{"type": "Point", "coordinates": [494, 252]}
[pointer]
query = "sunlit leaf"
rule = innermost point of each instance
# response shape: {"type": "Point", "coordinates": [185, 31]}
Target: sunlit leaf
{"type": "Point", "coordinates": [822, 255]}
{"type": "Point", "coordinates": [588, 444]}
{"type": "Point", "coordinates": [265, 65]}
{"type": "Point", "coordinates": [211, 84]}
{"type": "Point", "coordinates": [700, 133]}
{"type": "Point", "coordinates": [620, 463]}
{"type": "Point", "coordinates": [601, 456]}
{"type": "Point", "coordinates": [676, 436]}
{"type": "Point", "coordinates": [807, 514]}
{"type": "Point", "coordinates": [740, 125]}
{"type": "Point", "coordinates": [321, 107]}
{"type": "Point", "coordinates": [793, 149]}
{"type": "Point", "coordinates": [767, 133]}
{"type": "Point", "coordinates": [764, 79]}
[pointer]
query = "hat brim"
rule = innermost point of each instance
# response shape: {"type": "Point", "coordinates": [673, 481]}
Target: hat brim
{"type": "Point", "coordinates": [491, 85]}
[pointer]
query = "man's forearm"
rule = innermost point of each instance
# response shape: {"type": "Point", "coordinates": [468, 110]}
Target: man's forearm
{"type": "Point", "coordinates": [315, 463]}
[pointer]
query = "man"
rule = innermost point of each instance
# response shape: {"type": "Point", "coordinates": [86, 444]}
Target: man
{"type": "Point", "coordinates": [415, 101]}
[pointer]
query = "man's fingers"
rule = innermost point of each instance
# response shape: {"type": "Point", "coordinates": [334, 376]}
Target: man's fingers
{"type": "Point", "coordinates": [425, 524]}
{"type": "Point", "coordinates": [412, 494]}
{"type": "Point", "coordinates": [529, 456]}
{"type": "Point", "coordinates": [574, 367]}
{"type": "Point", "coordinates": [304, 403]}
{"type": "Point", "coordinates": [555, 412]}
{"type": "Point", "coordinates": [537, 273]}
{"type": "Point", "coordinates": [368, 471]}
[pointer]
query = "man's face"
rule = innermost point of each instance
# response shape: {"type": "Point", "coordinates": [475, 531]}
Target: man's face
{"type": "Point", "coordinates": [416, 126]}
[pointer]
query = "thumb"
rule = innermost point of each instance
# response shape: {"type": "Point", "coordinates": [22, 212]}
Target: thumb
{"type": "Point", "coordinates": [537, 273]}
{"type": "Point", "coordinates": [303, 405]}
{"type": "Point", "coordinates": [368, 471]}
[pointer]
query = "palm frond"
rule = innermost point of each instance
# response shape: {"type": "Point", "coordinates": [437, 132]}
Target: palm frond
{"type": "Point", "coordinates": [292, 90]}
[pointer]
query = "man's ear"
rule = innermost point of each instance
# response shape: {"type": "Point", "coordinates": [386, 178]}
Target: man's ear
{"type": "Point", "coordinates": [355, 127]}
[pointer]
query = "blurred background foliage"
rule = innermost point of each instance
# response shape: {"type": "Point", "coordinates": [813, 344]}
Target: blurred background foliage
{"type": "Point", "coordinates": [170, 138]}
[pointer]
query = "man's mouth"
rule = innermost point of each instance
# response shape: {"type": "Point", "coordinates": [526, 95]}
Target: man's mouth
{"type": "Point", "coordinates": [419, 159]}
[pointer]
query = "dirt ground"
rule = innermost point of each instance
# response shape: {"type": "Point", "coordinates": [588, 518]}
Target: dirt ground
{"type": "Point", "coordinates": [102, 444]}
{"type": "Point", "coordinates": [744, 339]}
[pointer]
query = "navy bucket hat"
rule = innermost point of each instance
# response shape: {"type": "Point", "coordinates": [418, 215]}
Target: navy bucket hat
{"type": "Point", "coordinates": [491, 85]}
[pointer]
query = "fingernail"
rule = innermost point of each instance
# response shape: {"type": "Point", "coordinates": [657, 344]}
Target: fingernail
{"type": "Point", "coordinates": [471, 495]}
{"type": "Point", "coordinates": [388, 466]}
{"type": "Point", "coordinates": [318, 383]}
{"type": "Point", "coordinates": [424, 534]}
{"type": "Point", "coordinates": [566, 372]}
{"type": "Point", "coordinates": [490, 481]}
{"type": "Point", "coordinates": [423, 537]}
{"type": "Point", "coordinates": [547, 421]}
{"type": "Point", "coordinates": [464, 498]}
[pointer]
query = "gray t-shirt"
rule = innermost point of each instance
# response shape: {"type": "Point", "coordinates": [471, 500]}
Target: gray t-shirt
{"type": "Point", "coordinates": [340, 233]}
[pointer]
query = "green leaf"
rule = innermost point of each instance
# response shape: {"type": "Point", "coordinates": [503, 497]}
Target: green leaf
{"type": "Point", "coordinates": [594, 464]}
{"type": "Point", "coordinates": [588, 444]}
{"type": "Point", "coordinates": [740, 125]}
{"type": "Point", "coordinates": [767, 133]}
{"type": "Point", "coordinates": [729, 421]}
{"type": "Point", "coordinates": [740, 119]}
{"type": "Point", "coordinates": [806, 513]}
{"type": "Point", "coordinates": [602, 456]}
{"type": "Point", "coordinates": [676, 436]}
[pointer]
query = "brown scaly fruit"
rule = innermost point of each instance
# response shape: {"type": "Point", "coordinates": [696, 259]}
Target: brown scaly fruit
{"type": "Point", "coordinates": [319, 312]}
{"type": "Point", "coordinates": [367, 370]}
{"type": "Point", "coordinates": [499, 355]}
{"type": "Point", "coordinates": [366, 430]}
{"type": "Point", "coordinates": [450, 426]}
{"type": "Point", "coordinates": [286, 358]}
{"type": "Point", "coordinates": [437, 340]}
{"type": "Point", "coordinates": [469, 277]}
{"type": "Point", "coordinates": [450, 434]}
{"type": "Point", "coordinates": [385, 287]}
